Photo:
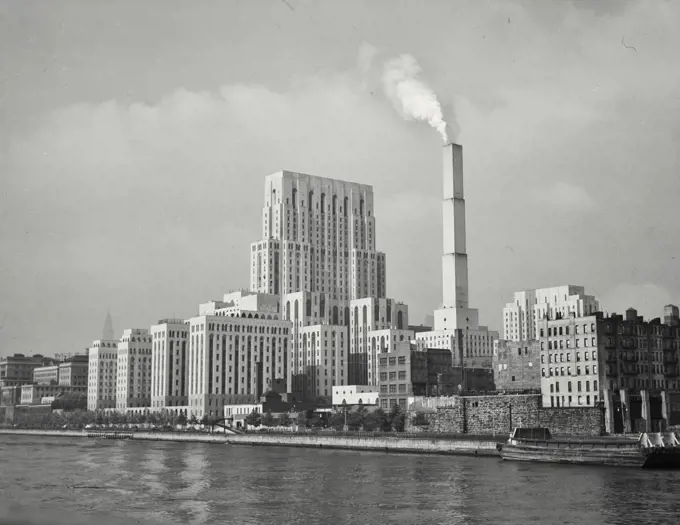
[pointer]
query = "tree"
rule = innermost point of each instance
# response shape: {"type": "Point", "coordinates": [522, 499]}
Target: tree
{"type": "Point", "coordinates": [317, 421]}
{"type": "Point", "coordinates": [193, 420]}
{"type": "Point", "coordinates": [268, 420]}
{"type": "Point", "coordinates": [377, 420]}
{"type": "Point", "coordinates": [254, 419]}
{"type": "Point", "coordinates": [397, 419]}
{"type": "Point", "coordinates": [420, 420]}
{"type": "Point", "coordinates": [205, 420]}
{"type": "Point", "coordinates": [284, 420]}
{"type": "Point", "coordinates": [337, 421]}
{"type": "Point", "coordinates": [182, 419]}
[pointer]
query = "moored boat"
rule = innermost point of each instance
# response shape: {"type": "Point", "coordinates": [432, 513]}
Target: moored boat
{"type": "Point", "coordinates": [659, 450]}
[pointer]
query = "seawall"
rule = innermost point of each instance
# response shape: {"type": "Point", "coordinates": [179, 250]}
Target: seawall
{"type": "Point", "coordinates": [381, 444]}
{"type": "Point", "coordinates": [137, 436]}
{"type": "Point", "coordinates": [467, 447]}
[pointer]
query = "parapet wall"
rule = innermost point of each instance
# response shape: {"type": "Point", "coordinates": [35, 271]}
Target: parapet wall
{"type": "Point", "coordinates": [499, 414]}
{"type": "Point", "coordinates": [382, 444]}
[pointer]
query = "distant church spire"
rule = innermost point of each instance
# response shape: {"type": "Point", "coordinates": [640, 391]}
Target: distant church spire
{"type": "Point", "coordinates": [107, 332]}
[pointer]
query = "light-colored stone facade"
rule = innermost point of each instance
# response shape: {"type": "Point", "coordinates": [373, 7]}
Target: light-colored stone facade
{"type": "Point", "coordinates": [522, 317]}
{"type": "Point", "coordinates": [234, 354]}
{"type": "Point", "coordinates": [169, 364]}
{"type": "Point", "coordinates": [102, 372]}
{"type": "Point", "coordinates": [133, 378]}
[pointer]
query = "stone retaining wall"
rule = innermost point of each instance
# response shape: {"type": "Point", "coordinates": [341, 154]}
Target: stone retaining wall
{"type": "Point", "coordinates": [499, 414]}
{"type": "Point", "coordinates": [383, 444]}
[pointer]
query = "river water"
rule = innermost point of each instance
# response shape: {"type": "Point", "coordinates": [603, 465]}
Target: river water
{"type": "Point", "coordinates": [50, 481]}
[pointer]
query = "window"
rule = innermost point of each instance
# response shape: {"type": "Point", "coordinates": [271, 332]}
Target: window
{"type": "Point", "coordinates": [578, 388]}
{"type": "Point", "coordinates": [402, 360]}
{"type": "Point", "coordinates": [402, 375]}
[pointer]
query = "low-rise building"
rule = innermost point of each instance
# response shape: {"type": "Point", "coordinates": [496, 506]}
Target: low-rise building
{"type": "Point", "coordinates": [407, 371]}
{"type": "Point", "coordinates": [18, 369]}
{"type": "Point", "coordinates": [34, 394]}
{"type": "Point", "coordinates": [356, 395]}
{"type": "Point", "coordinates": [73, 372]}
{"type": "Point", "coordinates": [516, 365]}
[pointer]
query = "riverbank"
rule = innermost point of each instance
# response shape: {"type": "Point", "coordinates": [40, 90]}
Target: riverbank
{"type": "Point", "coordinates": [467, 447]}
{"type": "Point", "coordinates": [430, 445]}
{"type": "Point", "coordinates": [122, 434]}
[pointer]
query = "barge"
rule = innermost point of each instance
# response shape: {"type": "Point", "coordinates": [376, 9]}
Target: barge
{"type": "Point", "coordinates": [659, 450]}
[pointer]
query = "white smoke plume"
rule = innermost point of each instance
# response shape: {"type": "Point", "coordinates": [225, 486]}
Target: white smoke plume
{"type": "Point", "coordinates": [411, 97]}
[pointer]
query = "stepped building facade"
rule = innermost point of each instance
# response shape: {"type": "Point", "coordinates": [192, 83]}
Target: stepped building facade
{"type": "Point", "coordinates": [318, 253]}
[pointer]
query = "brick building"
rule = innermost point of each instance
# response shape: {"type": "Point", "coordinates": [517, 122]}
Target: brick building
{"type": "Point", "coordinates": [408, 372]}
{"type": "Point", "coordinates": [516, 365]}
{"type": "Point", "coordinates": [629, 364]}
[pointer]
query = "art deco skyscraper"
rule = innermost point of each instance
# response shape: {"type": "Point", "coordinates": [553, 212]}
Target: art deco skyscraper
{"type": "Point", "coordinates": [318, 252]}
{"type": "Point", "coordinates": [318, 235]}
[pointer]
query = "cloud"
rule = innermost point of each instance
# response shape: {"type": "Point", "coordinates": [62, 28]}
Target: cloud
{"type": "Point", "coordinates": [567, 197]}
{"type": "Point", "coordinates": [144, 195]}
{"type": "Point", "coordinates": [367, 53]}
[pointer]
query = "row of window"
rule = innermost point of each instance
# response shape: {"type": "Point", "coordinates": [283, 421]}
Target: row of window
{"type": "Point", "coordinates": [560, 371]}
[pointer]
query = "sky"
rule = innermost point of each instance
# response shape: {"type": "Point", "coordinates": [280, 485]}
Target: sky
{"type": "Point", "coordinates": [135, 138]}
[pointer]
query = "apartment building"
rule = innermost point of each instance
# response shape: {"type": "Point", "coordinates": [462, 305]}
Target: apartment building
{"type": "Point", "coordinates": [102, 374]}
{"type": "Point", "coordinates": [169, 364]}
{"type": "Point", "coordinates": [522, 317]}
{"type": "Point", "coordinates": [133, 376]}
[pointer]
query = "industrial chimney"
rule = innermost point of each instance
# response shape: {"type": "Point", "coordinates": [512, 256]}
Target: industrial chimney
{"type": "Point", "coordinates": [454, 259]}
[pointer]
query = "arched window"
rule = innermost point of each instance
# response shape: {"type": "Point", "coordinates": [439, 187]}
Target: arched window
{"type": "Point", "coordinates": [288, 310]}
{"type": "Point", "coordinates": [308, 311]}
{"type": "Point", "coordinates": [364, 312]}
{"type": "Point", "coordinates": [297, 314]}
{"type": "Point", "coordinates": [356, 315]}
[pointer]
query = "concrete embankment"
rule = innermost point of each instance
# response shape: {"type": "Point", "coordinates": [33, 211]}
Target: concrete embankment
{"type": "Point", "coordinates": [122, 434]}
{"type": "Point", "coordinates": [412, 445]}
{"type": "Point", "coordinates": [381, 444]}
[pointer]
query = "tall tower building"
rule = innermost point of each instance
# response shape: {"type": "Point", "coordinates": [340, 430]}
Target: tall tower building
{"type": "Point", "coordinates": [318, 252]}
{"type": "Point", "coordinates": [456, 325]}
{"type": "Point", "coordinates": [318, 235]}
{"type": "Point", "coordinates": [107, 332]}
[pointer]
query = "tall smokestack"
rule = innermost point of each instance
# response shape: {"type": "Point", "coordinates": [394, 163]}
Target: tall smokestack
{"type": "Point", "coordinates": [454, 259]}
